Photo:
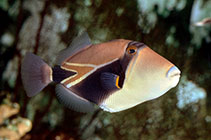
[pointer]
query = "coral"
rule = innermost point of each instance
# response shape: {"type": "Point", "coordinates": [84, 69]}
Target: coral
{"type": "Point", "coordinates": [12, 129]}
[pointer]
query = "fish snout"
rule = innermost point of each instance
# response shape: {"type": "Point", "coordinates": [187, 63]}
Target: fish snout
{"type": "Point", "coordinates": [173, 75]}
{"type": "Point", "coordinates": [173, 72]}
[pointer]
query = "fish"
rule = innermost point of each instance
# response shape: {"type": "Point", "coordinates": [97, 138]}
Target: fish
{"type": "Point", "coordinates": [114, 75]}
{"type": "Point", "coordinates": [205, 21]}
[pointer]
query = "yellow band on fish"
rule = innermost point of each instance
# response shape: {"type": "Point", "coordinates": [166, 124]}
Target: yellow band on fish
{"type": "Point", "coordinates": [117, 82]}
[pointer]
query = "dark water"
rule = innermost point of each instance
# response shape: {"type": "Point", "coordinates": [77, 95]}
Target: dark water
{"type": "Point", "coordinates": [45, 27]}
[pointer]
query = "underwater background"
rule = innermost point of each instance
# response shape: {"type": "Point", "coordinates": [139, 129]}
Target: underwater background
{"type": "Point", "coordinates": [45, 27]}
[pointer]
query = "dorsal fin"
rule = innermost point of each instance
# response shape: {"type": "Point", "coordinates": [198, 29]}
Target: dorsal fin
{"type": "Point", "coordinates": [77, 44]}
{"type": "Point", "coordinates": [73, 101]}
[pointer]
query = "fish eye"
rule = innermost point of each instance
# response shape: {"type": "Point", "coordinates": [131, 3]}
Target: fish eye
{"type": "Point", "coordinates": [131, 50]}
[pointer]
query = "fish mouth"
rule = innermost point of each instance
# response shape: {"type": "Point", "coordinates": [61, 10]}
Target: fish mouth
{"type": "Point", "coordinates": [173, 75]}
{"type": "Point", "coordinates": [173, 72]}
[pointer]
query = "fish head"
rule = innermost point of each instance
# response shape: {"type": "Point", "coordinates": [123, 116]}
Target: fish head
{"type": "Point", "coordinates": [150, 73]}
{"type": "Point", "coordinates": [148, 76]}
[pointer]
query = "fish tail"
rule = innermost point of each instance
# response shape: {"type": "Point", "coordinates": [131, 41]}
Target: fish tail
{"type": "Point", "coordinates": [35, 73]}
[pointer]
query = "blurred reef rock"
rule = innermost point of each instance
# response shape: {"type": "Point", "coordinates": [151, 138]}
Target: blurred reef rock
{"type": "Point", "coordinates": [12, 126]}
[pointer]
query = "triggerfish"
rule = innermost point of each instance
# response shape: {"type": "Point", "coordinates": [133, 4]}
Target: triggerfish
{"type": "Point", "coordinates": [205, 21]}
{"type": "Point", "coordinates": [115, 75]}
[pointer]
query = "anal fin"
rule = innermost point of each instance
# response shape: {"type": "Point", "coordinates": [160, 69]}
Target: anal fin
{"type": "Point", "coordinates": [73, 101]}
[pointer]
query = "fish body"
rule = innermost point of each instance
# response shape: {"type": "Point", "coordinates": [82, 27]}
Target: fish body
{"type": "Point", "coordinates": [203, 22]}
{"type": "Point", "coordinates": [114, 75]}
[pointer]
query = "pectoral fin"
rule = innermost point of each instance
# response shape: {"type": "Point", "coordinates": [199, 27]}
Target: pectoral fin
{"type": "Point", "coordinates": [73, 101]}
{"type": "Point", "coordinates": [110, 81]}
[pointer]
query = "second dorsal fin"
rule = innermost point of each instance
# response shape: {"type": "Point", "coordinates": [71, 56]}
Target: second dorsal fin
{"type": "Point", "coordinates": [77, 44]}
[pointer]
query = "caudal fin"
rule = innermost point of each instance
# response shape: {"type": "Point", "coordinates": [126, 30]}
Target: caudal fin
{"type": "Point", "coordinates": [35, 73]}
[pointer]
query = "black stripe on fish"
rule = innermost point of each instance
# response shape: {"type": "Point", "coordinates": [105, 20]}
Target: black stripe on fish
{"type": "Point", "coordinates": [91, 87]}
{"type": "Point", "coordinates": [60, 74]}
